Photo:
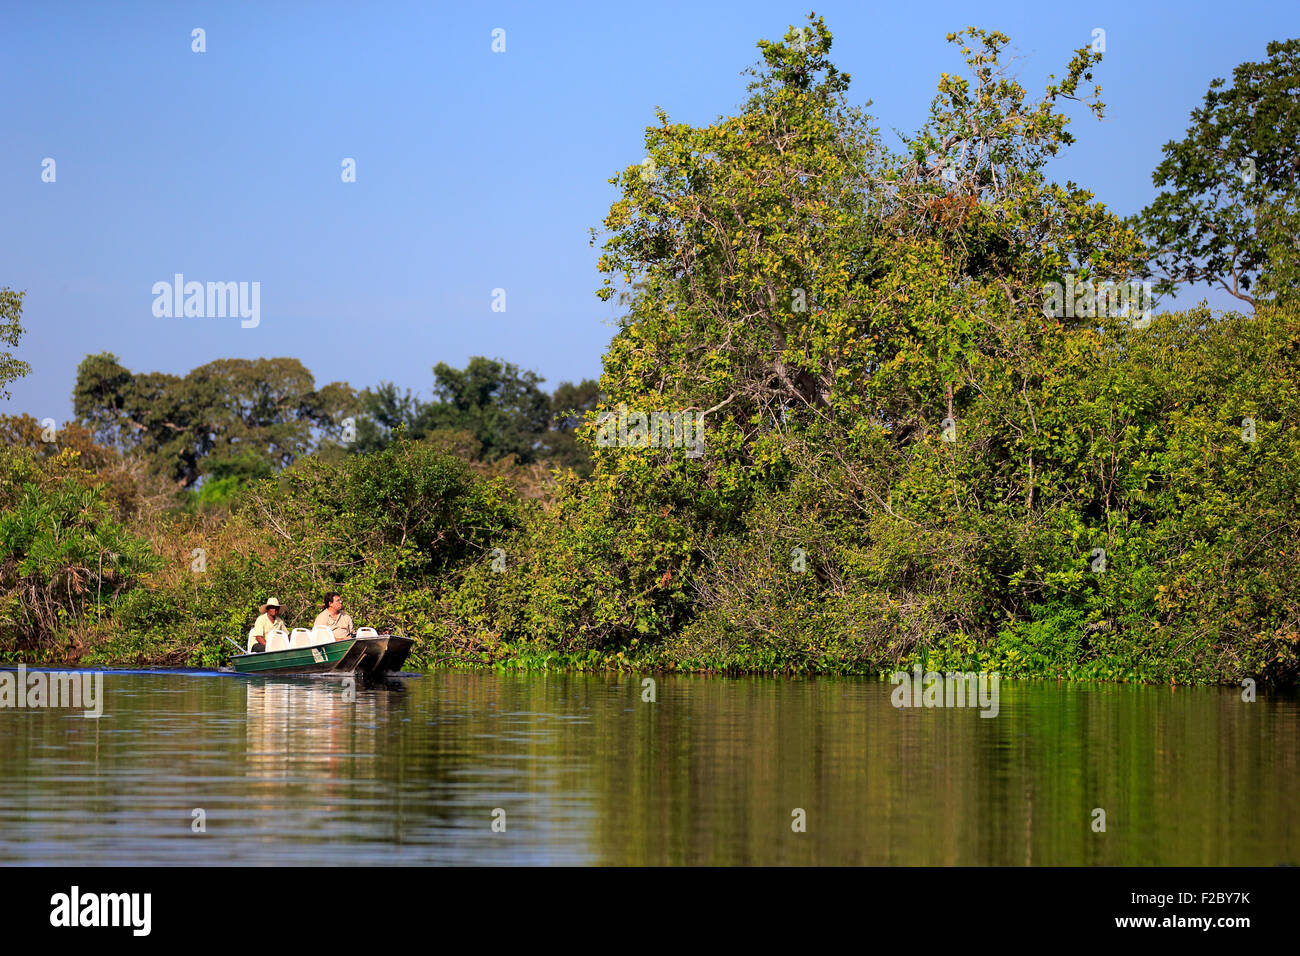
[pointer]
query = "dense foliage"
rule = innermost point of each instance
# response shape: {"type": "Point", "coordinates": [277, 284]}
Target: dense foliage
{"type": "Point", "coordinates": [909, 452]}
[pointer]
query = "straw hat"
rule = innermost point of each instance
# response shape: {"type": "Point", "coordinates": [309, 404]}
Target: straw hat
{"type": "Point", "coordinates": [270, 602]}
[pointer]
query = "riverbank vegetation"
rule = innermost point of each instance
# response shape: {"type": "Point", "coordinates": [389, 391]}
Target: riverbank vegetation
{"type": "Point", "coordinates": [913, 450]}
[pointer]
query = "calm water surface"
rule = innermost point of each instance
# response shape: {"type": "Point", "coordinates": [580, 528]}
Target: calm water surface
{"type": "Point", "coordinates": [292, 771]}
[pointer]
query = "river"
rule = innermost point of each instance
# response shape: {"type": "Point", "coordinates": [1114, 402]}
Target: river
{"type": "Point", "coordinates": [455, 767]}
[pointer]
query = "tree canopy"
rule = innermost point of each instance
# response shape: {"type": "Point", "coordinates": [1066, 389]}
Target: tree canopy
{"type": "Point", "coordinates": [1229, 212]}
{"type": "Point", "coordinates": [501, 406]}
{"type": "Point", "coordinates": [231, 408]}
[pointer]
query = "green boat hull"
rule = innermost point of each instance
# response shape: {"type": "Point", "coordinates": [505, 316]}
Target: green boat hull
{"type": "Point", "coordinates": [368, 656]}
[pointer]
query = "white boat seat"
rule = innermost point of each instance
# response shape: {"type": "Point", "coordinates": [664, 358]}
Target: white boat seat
{"type": "Point", "coordinates": [252, 641]}
{"type": "Point", "coordinates": [320, 634]}
{"type": "Point", "coordinates": [301, 637]}
{"type": "Point", "coordinates": [367, 632]}
{"type": "Point", "coordinates": [277, 641]}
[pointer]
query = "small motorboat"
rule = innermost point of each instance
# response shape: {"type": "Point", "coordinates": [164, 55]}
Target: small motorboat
{"type": "Point", "coordinates": [369, 654]}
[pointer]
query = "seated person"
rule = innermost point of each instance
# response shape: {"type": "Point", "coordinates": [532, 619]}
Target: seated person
{"type": "Point", "coordinates": [333, 618]}
{"type": "Point", "coordinates": [268, 621]}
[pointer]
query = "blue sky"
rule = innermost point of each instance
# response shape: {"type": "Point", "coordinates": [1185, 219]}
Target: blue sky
{"type": "Point", "coordinates": [475, 170]}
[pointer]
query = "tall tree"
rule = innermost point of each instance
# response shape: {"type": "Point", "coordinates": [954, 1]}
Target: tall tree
{"type": "Point", "coordinates": [382, 411]}
{"type": "Point", "coordinates": [99, 396]}
{"type": "Point", "coordinates": [1229, 212]}
{"type": "Point", "coordinates": [794, 269]}
{"type": "Point", "coordinates": [496, 401]}
{"type": "Point", "coordinates": [486, 411]}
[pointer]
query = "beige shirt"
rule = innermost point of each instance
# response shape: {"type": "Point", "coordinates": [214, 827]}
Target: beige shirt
{"type": "Point", "coordinates": [265, 626]}
{"type": "Point", "coordinates": [341, 625]}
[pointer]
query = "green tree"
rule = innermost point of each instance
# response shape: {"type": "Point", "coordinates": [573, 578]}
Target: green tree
{"type": "Point", "coordinates": [790, 264]}
{"type": "Point", "coordinates": [1229, 212]}
{"type": "Point", "coordinates": [499, 407]}
{"type": "Point", "coordinates": [825, 303]}
{"type": "Point", "coordinates": [99, 396]}
{"type": "Point", "coordinates": [497, 402]}
{"type": "Point", "coordinates": [382, 411]}
{"type": "Point", "coordinates": [570, 404]}
{"type": "Point", "coordinates": [268, 408]}
{"type": "Point", "coordinates": [11, 328]}
{"type": "Point", "coordinates": [64, 558]}
{"type": "Point", "coordinates": [224, 477]}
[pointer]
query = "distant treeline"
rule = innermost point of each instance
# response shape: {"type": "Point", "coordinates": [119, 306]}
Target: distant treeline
{"type": "Point", "coordinates": [236, 419]}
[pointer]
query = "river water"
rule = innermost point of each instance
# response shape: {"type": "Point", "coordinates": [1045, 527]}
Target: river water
{"type": "Point", "coordinates": [486, 768]}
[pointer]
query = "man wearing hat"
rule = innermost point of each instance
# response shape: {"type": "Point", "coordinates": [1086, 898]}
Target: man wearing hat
{"type": "Point", "coordinates": [268, 621]}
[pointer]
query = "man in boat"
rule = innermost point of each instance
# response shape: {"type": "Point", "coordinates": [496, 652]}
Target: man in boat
{"type": "Point", "coordinates": [332, 617]}
{"type": "Point", "coordinates": [266, 623]}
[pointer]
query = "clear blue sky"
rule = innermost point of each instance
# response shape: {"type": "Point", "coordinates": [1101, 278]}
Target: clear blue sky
{"type": "Point", "coordinates": [475, 170]}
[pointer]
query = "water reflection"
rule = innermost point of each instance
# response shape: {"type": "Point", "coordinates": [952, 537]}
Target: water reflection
{"type": "Point", "coordinates": [584, 771]}
{"type": "Point", "coordinates": [308, 723]}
